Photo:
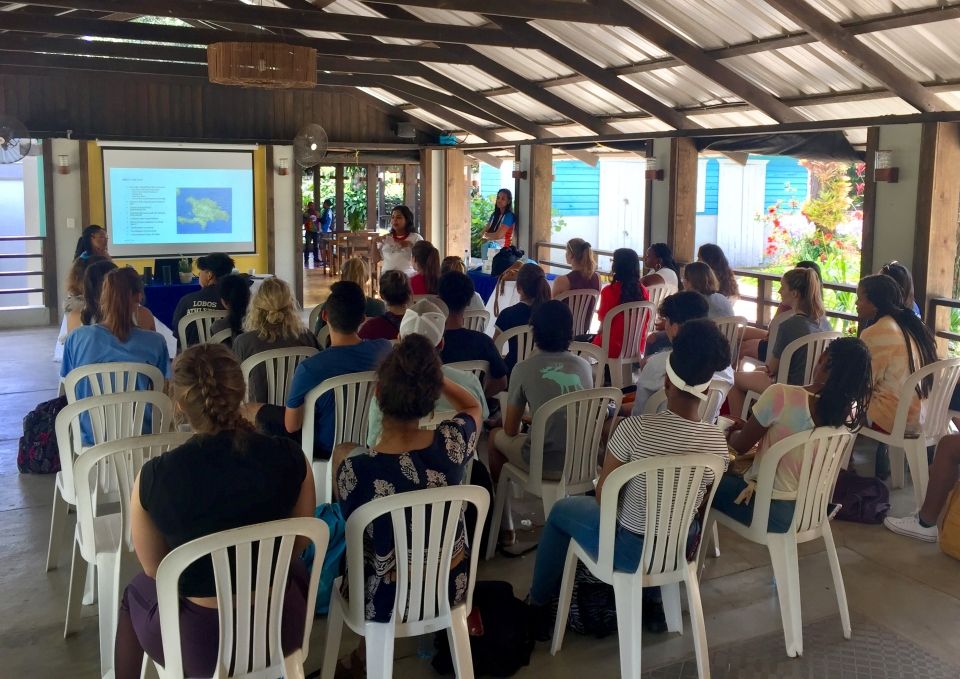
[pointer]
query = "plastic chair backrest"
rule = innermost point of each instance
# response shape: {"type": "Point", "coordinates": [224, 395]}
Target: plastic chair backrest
{"type": "Point", "coordinates": [524, 336]}
{"type": "Point", "coordinates": [111, 378]}
{"type": "Point", "coordinates": [585, 412]}
{"type": "Point", "coordinates": [637, 321]}
{"type": "Point", "coordinates": [583, 304]}
{"type": "Point", "coordinates": [671, 485]}
{"type": "Point", "coordinates": [203, 320]}
{"type": "Point", "coordinates": [112, 417]}
{"type": "Point", "coordinates": [774, 327]}
{"type": "Point", "coordinates": [250, 596]}
{"type": "Point", "coordinates": [314, 317]}
{"type": "Point", "coordinates": [476, 319]}
{"type": "Point", "coordinates": [352, 394]}
{"type": "Point", "coordinates": [221, 336]}
{"type": "Point", "coordinates": [323, 337]}
{"type": "Point", "coordinates": [824, 449]}
{"type": "Point", "coordinates": [936, 406]}
{"type": "Point", "coordinates": [657, 293]}
{"type": "Point", "coordinates": [815, 343]}
{"type": "Point", "coordinates": [732, 327]}
{"type": "Point", "coordinates": [479, 368]}
{"type": "Point", "coordinates": [279, 366]}
{"type": "Point", "coordinates": [716, 395]}
{"type": "Point", "coordinates": [594, 356]}
{"type": "Point", "coordinates": [432, 517]}
{"type": "Point", "coordinates": [114, 464]}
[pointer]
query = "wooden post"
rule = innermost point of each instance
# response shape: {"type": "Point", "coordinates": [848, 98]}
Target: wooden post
{"type": "Point", "coordinates": [298, 282]}
{"type": "Point", "coordinates": [427, 197]}
{"type": "Point", "coordinates": [271, 224]}
{"type": "Point", "coordinates": [938, 198]}
{"type": "Point", "coordinates": [338, 179]}
{"type": "Point", "coordinates": [456, 211]}
{"type": "Point", "coordinates": [538, 219]}
{"type": "Point", "coordinates": [869, 203]}
{"type": "Point", "coordinates": [49, 230]}
{"type": "Point", "coordinates": [372, 220]}
{"type": "Point", "coordinates": [682, 211]}
{"type": "Point", "coordinates": [317, 195]}
{"type": "Point", "coordinates": [410, 190]}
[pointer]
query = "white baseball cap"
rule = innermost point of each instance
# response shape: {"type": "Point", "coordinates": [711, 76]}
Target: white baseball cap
{"type": "Point", "coordinates": [430, 324]}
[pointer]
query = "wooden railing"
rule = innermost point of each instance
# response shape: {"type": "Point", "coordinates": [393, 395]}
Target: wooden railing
{"type": "Point", "coordinates": [28, 271]}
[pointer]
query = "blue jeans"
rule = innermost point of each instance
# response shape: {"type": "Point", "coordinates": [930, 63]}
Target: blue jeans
{"type": "Point", "coordinates": [577, 518]}
{"type": "Point", "coordinates": [730, 486]}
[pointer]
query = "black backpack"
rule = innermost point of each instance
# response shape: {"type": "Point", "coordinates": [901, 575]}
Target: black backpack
{"type": "Point", "coordinates": [38, 452]}
{"type": "Point", "coordinates": [864, 499]}
{"type": "Point", "coordinates": [504, 259]}
{"type": "Point", "coordinates": [505, 644]}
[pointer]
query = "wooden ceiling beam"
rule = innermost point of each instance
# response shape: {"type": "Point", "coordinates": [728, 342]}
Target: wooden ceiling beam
{"type": "Point", "coordinates": [859, 54]}
{"type": "Point", "coordinates": [446, 114]}
{"type": "Point", "coordinates": [297, 19]}
{"type": "Point", "coordinates": [612, 83]}
{"type": "Point", "coordinates": [31, 22]}
{"type": "Point", "coordinates": [694, 57]}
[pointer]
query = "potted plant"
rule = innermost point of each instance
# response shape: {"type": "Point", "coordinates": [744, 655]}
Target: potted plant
{"type": "Point", "coordinates": [186, 270]}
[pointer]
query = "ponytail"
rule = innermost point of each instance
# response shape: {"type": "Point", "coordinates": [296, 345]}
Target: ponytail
{"type": "Point", "coordinates": [581, 256]}
{"type": "Point", "coordinates": [427, 258]}
{"type": "Point", "coordinates": [118, 301]}
{"type": "Point", "coordinates": [806, 284]}
{"type": "Point", "coordinates": [92, 289]}
{"type": "Point", "coordinates": [209, 387]}
{"type": "Point", "coordinates": [235, 294]}
{"type": "Point", "coordinates": [532, 282]}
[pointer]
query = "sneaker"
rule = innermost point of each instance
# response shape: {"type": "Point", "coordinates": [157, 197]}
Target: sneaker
{"type": "Point", "coordinates": [910, 526]}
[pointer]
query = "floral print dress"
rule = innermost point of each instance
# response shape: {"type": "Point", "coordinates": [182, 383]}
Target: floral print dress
{"type": "Point", "coordinates": [367, 475]}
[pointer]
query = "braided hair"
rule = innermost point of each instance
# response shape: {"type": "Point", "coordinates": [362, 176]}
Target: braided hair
{"type": "Point", "coordinates": [845, 394]}
{"type": "Point", "coordinates": [208, 386]}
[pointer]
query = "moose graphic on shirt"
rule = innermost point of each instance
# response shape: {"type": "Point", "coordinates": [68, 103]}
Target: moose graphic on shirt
{"type": "Point", "coordinates": [566, 381]}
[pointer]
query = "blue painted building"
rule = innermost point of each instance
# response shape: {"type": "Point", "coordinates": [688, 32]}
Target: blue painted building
{"type": "Point", "coordinates": [786, 180]}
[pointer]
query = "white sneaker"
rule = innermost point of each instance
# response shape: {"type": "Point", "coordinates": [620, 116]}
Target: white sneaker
{"type": "Point", "coordinates": [910, 526]}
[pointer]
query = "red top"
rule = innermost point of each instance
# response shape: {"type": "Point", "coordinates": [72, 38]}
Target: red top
{"type": "Point", "coordinates": [418, 284]}
{"type": "Point", "coordinates": [381, 327]}
{"type": "Point", "coordinates": [609, 298]}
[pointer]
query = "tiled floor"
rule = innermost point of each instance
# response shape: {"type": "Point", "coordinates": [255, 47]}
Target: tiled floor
{"type": "Point", "coordinates": [904, 596]}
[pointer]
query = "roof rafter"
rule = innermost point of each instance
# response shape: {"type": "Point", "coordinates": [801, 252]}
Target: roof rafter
{"type": "Point", "coordinates": [859, 54]}
{"type": "Point", "coordinates": [278, 17]}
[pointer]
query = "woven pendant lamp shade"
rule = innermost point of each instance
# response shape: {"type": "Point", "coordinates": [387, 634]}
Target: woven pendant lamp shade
{"type": "Point", "coordinates": [270, 65]}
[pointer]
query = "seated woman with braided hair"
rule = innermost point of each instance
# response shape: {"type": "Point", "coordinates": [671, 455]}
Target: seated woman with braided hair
{"type": "Point", "coordinates": [226, 476]}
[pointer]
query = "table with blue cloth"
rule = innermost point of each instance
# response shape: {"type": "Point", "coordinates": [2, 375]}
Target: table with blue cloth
{"type": "Point", "coordinates": [162, 299]}
{"type": "Point", "coordinates": [485, 283]}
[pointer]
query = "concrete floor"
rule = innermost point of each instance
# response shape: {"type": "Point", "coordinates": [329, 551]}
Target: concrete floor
{"type": "Point", "coordinates": [908, 588]}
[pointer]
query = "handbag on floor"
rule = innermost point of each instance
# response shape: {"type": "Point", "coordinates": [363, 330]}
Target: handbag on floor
{"type": "Point", "coordinates": [37, 452]}
{"type": "Point", "coordinates": [949, 528]}
{"type": "Point", "coordinates": [864, 499]}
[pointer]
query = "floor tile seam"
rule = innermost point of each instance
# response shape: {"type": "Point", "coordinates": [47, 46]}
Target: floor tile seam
{"type": "Point", "coordinates": [904, 574]}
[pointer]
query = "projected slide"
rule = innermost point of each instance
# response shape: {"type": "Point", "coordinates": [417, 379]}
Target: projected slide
{"type": "Point", "coordinates": [177, 202]}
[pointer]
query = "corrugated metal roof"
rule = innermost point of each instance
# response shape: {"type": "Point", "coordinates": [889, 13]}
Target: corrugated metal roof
{"type": "Point", "coordinates": [681, 86]}
{"type": "Point", "coordinates": [924, 53]}
{"type": "Point", "coordinates": [592, 98]}
{"type": "Point", "coordinates": [886, 106]}
{"type": "Point", "coordinates": [605, 45]}
{"type": "Point", "coordinates": [842, 10]}
{"type": "Point", "coordinates": [469, 76]}
{"type": "Point", "coordinates": [527, 107]}
{"type": "Point", "coordinates": [531, 64]}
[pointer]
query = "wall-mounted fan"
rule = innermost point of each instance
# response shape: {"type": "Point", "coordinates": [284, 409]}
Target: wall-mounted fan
{"type": "Point", "coordinates": [310, 145]}
{"type": "Point", "coordinates": [15, 141]}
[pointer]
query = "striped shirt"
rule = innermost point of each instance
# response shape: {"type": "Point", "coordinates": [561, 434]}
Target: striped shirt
{"type": "Point", "coordinates": [666, 433]}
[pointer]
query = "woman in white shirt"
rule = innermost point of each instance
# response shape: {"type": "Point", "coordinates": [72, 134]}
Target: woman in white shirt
{"type": "Point", "coordinates": [395, 249]}
{"type": "Point", "coordinates": [700, 277]}
{"type": "Point", "coordinates": [665, 271]}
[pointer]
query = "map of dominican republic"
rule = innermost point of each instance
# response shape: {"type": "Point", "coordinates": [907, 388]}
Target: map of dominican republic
{"type": "Point", "coordinates": [201, 210]}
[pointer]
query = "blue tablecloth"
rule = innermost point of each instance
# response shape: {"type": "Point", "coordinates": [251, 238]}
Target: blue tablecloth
{"type": "Point", "coordinates": [162, 299]}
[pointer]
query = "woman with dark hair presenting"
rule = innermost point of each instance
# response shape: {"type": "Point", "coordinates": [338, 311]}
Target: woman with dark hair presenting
{"type": "Point", "coordinates": [502, 221]}
{"type": "Point", "coordinates": [899, 344]}
{"type": "Point", "coordinates": [395, 249]}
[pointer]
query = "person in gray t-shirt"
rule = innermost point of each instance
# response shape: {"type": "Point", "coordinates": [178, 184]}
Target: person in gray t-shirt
{"type": "Point", "coordinates": [548, 373]}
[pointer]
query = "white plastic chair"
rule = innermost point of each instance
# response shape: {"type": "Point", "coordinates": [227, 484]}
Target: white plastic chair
{"type": "Point", "coordinates": [772, 331]}
{"type": "Point", "coordinates": [732, 327]}
{"type": "Point", "coordinates": [637, 321]}
{"type": "Point", "coordinates": [279, 366]}
{"type": "Point", "coordinates": [709, 409]}
{"type": "Point", "coordinates": [814, 344]}
{"type": "Point", "coordinates": [221, 336]}
{"type": "Point", "coordinates": [323, 337]}
{"type": "Point", "coordinates": [111, 378]}
{"type": "Point", "coordinates": [479, 369]}
{"type": "Point", "coordinates": [583, 305]}
{"type": "Point", "coordinates": [250, 597]}
{"type": "Point", "coordinates": [672, 484]}
{"type": "Point", "coordinates": [314, 316]}
{"type": "Point", "coordinates": [824, 450]}
{"type": "Point", "coordinates": [594, 356]}
{"type": "Point", "coordinates": [352, 394]}
{"type": "Point", "coordinates": [585, 412]}
{"type": "Point", "coordinates": [476, 319]}
{"type": "Point", "coordinates": [935, 422]}
{"type": "Point", "coordinates": [422, 604]}
{"type": "Point", "coordinates": [524, 336]}
{"type": "Point", "coordinates": [112, 417]}
{"type": "Point", "coordinates": [203, 320]}
{"type": "Point", "coordinates": [658, 293]}
{"type": "Point", "coordinates": [103, 539]}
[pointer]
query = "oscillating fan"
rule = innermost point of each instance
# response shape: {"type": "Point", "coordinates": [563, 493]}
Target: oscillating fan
{"type": "Point", "coordinates": [15, 141]}
{"type": "Point", "coordinates": [310, 145]}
